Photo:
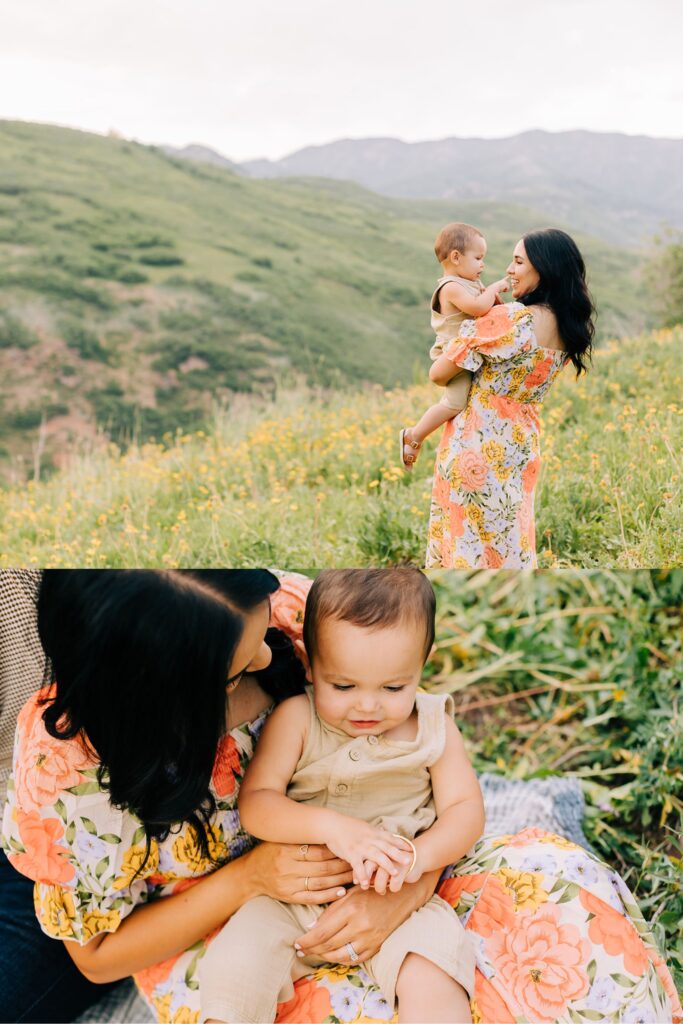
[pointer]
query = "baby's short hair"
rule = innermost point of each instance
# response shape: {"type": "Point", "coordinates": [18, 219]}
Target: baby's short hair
{"type": "Point", "coordinates": [455, 236]}
{"type": "Point", "coordinates": [371, 598]}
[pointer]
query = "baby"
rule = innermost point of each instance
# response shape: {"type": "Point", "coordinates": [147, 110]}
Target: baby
{"type": "Point", "coordinates": [459, 295]}
{"type": "Point", "coordinates": [376, 771]}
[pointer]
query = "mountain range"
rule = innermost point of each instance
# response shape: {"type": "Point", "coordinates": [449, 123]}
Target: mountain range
{"type": "Point", "coordinates": [623, 188]}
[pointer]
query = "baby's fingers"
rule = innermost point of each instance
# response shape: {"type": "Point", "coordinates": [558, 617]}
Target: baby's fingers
{"type": "Point", "coordinates": [381, 879]}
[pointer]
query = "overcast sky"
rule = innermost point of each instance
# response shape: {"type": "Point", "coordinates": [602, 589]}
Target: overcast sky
{"type": "Point", "coordinates": [263, 78]}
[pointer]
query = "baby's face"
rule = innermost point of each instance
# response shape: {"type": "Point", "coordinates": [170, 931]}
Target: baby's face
{"type": "Point", "coordinates": [365, 680]}
{"type": "Point", "coordinates": [471, 261]}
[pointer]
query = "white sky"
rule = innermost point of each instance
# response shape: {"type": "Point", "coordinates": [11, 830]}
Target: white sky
{"type": "Point", "coordinates": [263, 78]}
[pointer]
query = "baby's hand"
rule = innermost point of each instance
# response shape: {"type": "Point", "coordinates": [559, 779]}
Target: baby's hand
{"type": "Point", "coordinates": [406, 873]}
{"type": "Point", "coordinates": [367, 848]}
{"type": "Point", "coordinates": [502, 285]}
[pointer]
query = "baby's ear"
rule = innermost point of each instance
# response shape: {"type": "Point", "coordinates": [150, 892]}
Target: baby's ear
{"type": "Point", "coordinates": [300, 648]}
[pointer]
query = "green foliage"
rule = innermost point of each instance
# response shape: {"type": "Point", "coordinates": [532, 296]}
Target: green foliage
{"type": "Point", "coordinates": [85, 342]}
{"type": "Point", "coordinates": [160, 258]}
{"type": "Point", "coordinates": [664, 274]}
{"type": "Point", "coordinates": [15, 334]}
{"type": "Point", "coordinates": [580, 673]}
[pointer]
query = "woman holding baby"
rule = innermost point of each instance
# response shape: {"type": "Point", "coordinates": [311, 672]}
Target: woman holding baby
{"type": "Point", "coordinates": [123, 809]}
{"type": "Point", "coordinates": [488, 460]}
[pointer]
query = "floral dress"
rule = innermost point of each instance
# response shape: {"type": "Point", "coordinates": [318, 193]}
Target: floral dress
{"type": "Point", "coordinates": [556, 933]}
{"type": "Point", "coordinates": [488, 460]}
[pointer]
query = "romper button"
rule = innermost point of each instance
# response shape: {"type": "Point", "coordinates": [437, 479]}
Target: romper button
{"type": "Point", "coordinates": [341, 788]}
{"type": "Point", "coordinates": [354, 755]}
{"type": "Point", "coordinates": [373, 740]}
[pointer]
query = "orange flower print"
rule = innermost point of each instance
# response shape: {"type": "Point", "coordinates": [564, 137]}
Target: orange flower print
{"type": "Point", "coordinates": [148, 979]}
{"type": "Point", "coordinates": [530, 474]}
{"type": "Point", "coordinates": [473, 421]}
{"type": "Point", "coordinates": [457, 519]}
{"type": "Point", "coordinates": [615, 933]}
{"type": "Point", "coordinates": [494, 324]}
{"type": "Point", "coordinates": [540, 373]}
{"type": "Point", "coordinates": [47, 765]}
{"type": "Point", "coordinates": [226, 764]}
{"type": "Point", "coordinates": [473, 470]}
{"type": "Point", "coordinates": [287, 605]}
{"type": "Point", "coordinates": [507, 408]}
{"type": "Point", "coordinates": [451, 889]}
{"type": "Point", "coordinates": [489, 1003]}
{"type": "Point", "coordinates": [541, 962]}
{"type": "Point", "coordinates": [43, 860]}
{"type": "Point", "coordinates": [667, 981]}
{"type": "Point", "coordinates": [310, 1003]}
{"type": "Point", "coordinates": [490, 558]}
{"type": "Point", "coordinates": [494, 910]}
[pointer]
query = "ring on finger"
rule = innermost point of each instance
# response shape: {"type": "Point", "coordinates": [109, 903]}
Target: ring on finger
{"type": "Point", "coordinates": [303, 850]}
{"type": "Point", "coordinates": [352, 953]}
{"type": "Point", "coordinates": [307, 884]}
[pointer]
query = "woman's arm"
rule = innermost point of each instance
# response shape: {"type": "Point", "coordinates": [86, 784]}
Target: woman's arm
{"type": "Point", "coordinates": [168, 926]}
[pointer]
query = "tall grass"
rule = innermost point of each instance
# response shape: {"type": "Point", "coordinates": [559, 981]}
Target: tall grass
{"type": "Point", "coordinates": [315, 481]}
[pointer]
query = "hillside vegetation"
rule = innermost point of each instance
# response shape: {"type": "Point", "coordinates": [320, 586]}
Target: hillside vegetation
{"type": "Point", "coordinates": [137, 289]}
{"type": "Point", "coordinates": [313, 480]}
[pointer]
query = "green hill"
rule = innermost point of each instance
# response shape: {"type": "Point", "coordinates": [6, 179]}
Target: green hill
{"type": "Point", "coordinates": [137, 289]}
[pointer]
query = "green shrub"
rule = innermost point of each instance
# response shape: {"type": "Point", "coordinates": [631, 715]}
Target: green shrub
{"type": "Point", "coordinates": [160, 258]}
{"type": "Point", "coordinates": [15, 334]}
{"type": "Point", "coordinates": [85, 342]}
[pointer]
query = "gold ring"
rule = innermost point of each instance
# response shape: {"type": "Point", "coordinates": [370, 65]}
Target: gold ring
{"type": "Point", "coordinates": [303, 850]}
{"type": "Point", "coordinates": [306, 885]}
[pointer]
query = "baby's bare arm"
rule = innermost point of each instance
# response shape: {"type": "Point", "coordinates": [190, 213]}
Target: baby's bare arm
{"type": "Point", "coordinates": [458, 298]}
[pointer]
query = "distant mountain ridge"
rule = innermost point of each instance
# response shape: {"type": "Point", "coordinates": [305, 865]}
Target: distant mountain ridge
{"type": "Point", "coordinates": [619, 187]}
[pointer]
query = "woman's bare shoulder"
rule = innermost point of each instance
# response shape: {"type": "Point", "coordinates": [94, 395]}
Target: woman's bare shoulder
{"type": "Point", "coordinates": [545, 328]}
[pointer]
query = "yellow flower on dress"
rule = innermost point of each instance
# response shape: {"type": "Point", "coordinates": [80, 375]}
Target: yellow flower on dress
{"type": "Point", "coordinates": [518, 375]}
{"type": "Point", "coordinates": [96, 921]}
{"type": "Point", "coordinates": [502, 473]}
{"type": "Point", "coordinates": [132, 864]}
{"type": "Point", "coordinates": [461, 563]}
{"type": "Point", "coordinates": [58, 912]}
{"type": "Point", "coordinates": [493, 451]}
{"type": "Point", "coordinates": [487, 374]}
{"type": "Point", "coordinates": [564, 844]}
{"type": "Point", "coordinates": [484, 398]}
{"type": "Point", "coordinates": [535, 444]}
{"type": "Point", "coordinates": [476, 1016]}
{"type": "Point", "coordinates": [186, 850]}
{"type": "Point", "coordinates": [474, 513]}
{"type": "Point", "coordinates": [333, 973]}
{"type": "Point", "coordinates": [524, 887]}
{"type": "Point", "coordinates": [518, 435]}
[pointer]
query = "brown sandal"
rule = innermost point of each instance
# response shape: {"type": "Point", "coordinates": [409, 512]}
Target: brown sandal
{"type": "Point", "coordinates": [406, 461]}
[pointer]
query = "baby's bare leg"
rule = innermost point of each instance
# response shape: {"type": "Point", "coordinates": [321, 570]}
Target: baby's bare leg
{"type": "Point", "coordinates": [434, 418]}
{"type": "Point", "coordinates": [425, 993]}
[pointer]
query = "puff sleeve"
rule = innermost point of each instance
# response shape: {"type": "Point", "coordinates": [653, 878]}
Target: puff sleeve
{"type": "Point", "coordinates": [60, 830]}
{"type": "Point", "coordinates": [500, 334]}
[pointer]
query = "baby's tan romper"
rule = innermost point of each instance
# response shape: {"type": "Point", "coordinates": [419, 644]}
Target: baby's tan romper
{"type": "Point", "coordinates": [250, 965]}
{"type": "Point", "coordinates": [446, 329]}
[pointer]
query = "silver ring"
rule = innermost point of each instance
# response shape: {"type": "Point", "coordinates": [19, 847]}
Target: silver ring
{"type": "Point", "coordinates": [352, 953]}
{"type": "Point", "coordinates": [303, 850]}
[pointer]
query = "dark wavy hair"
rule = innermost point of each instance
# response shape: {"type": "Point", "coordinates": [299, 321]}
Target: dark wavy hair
{"type": "Point", "coordinates": [562, 287]}
{"type": "Point", "coordinates": [140, 660]}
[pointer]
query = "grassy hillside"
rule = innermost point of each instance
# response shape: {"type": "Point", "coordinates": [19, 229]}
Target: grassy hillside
{"type": "Point", "coordinates": [137, 289]}
{"type": "Point", "coordinates": [314, 480]}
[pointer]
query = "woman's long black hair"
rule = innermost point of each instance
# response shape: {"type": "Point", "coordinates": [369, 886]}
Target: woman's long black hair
{"type": "Point", "coordinates": [140, 660]}
{"type": "Point", "coordinates": [562, 287]}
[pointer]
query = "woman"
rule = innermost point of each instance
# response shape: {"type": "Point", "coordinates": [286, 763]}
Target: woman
{"type": "Point", "coordinates": [140, 857]}
{"type": "Point", "coordinates": [488, 461]}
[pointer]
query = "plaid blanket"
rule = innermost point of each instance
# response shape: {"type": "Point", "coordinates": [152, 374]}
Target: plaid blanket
{"type": "Point", "coordinates": [555, 804]}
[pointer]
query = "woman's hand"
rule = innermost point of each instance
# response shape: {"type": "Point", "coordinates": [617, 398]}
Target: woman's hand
{"type": "Point", "coordinates": [297, 874]}
{"type": "Point", "coordinates": [365, 919]}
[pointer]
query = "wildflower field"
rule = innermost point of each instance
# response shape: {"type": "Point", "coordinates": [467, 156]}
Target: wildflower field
{"type": "Point", "coordinates": [314, 480]}
{"type": "Point", "coordinates": [581, 674]}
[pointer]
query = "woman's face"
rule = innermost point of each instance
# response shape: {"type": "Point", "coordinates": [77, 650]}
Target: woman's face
{"type": "Point", "coordinates": [522, 273]}
{"type": "Point", "coordinates": [252, 652]}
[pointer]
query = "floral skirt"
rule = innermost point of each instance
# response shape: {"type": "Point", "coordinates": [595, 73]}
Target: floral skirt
{"type": "Point", "coordinates": [557, 937]}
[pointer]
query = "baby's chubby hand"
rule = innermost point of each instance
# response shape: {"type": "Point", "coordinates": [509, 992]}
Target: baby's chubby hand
{"type": "Point", "coordinates": [366, 849]}
{"type": "Point", "coordinates": [502, 285]}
